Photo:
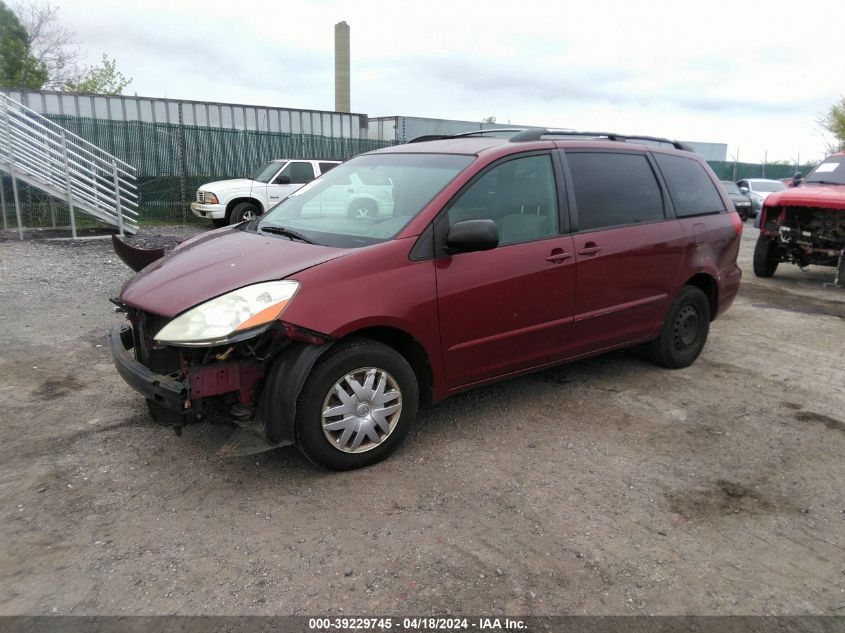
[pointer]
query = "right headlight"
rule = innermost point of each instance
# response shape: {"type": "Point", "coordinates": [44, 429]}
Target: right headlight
{"type": "Point", "coordinates": [218, 320]}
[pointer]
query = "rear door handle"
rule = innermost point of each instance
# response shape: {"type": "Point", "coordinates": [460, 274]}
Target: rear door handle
{"type": "Point", "coordinates": [558, 256]}
{"type": "Point", "coordinates": [589, 250]}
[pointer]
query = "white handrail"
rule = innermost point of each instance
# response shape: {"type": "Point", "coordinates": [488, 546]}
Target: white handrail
{"type": "Point", "coordinates": [45, 155]}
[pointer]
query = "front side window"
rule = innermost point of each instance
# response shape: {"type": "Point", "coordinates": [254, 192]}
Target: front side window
{"type": "Point", "coordinates": [519, 195]}
{"type": "Point", "coordinates": [299, 173]}
{"type": "Point", "coordinates": [613, 189]}
{"type": "Point", "coordinates": [690, 187]}
{"type": "Point", "coordinates": [324, 167]}
{"type": "Point", "coordinates": [266, 172]}
{"type": "Point", "coordinates": [340, 208]}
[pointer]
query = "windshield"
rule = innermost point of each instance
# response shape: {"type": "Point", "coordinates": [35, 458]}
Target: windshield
{"type": "Point", "coordinates": [266, 172]}
{"type": "Point", "coordinates": [830, 171]}
{"type": "Point", "coordinates": [767, 185]}
{"type": "Point", "coordinates": [365, 200]}
{"type": "Point", "coordinates": [730, 187]}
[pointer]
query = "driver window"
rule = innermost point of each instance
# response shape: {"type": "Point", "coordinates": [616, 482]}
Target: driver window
{"type": "Point", "coordinates": [519, 196]}
{"type": "Point", "coordinates": [299, 173]}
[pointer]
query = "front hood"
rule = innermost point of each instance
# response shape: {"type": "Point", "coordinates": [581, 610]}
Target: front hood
{"type": "Point", "coordinates": [216, 263]}
{"type": "Point", "coordinates": [224, 185]}
{"type": "Point", "coordinates": [809, 195]}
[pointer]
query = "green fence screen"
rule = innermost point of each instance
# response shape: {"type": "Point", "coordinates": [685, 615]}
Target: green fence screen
{"type": "Point", "coordinates": [172, 161]}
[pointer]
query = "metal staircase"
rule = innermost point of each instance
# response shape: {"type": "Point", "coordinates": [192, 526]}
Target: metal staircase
{"type": "Point", "coordinates": [48, 157]}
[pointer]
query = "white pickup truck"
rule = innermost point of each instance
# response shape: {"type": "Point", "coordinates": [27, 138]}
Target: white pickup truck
{"type": "Point", "coordinates": [232, 201]}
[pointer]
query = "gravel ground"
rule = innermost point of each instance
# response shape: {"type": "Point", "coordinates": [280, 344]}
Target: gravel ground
{"type": "Point", "coordinates": [608, 486]}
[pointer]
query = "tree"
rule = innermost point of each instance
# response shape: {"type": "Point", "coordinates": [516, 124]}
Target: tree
{"type": "Point", "coordinates": [18, 67]}
{"type": "Point", "coordinates": [488, 119]}
{"type": "Point", "coordinates": [37, 53]}
{"type": "Point", "coordinates": [53, 47]}
{"type": "Point", "coordinates": [103, 79]}
{"type": "Point", "coordinates": [834, 122]}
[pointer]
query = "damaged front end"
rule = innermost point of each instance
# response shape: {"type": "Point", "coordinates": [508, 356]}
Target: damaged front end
{"type": "Point", "coordinates": [806, 235]}
{"type": "Point", "coordinates": [233, 383]}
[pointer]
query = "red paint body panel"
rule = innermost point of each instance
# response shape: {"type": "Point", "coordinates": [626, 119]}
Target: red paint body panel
{"type": "Point", "coordinates": [625, 288]}
{"type": "Point", "coordinates": [505, 309]}
{"type": "Point", "coordinates": [215, 263]}
{"type": "Point", "coordinates": [824, 196]}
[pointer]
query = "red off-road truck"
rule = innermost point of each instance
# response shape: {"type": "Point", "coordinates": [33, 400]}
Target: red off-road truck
{"type": "Point", "coordinates": [805, 224]}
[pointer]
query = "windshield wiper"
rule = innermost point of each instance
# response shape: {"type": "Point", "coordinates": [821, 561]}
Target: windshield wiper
{"type": "Point", "coordinates": [278, 230]}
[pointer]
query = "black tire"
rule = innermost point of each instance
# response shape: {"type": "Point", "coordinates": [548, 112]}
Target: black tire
{"type": "Point", "coordinates": [684, 331]}
{"type": "Point", "coordinates": [218, 223]}
{"type": "Point", "coordinates": [362, 209]}
{"type": "Point", "coordinates": [766, 256]}
{"type": "Point", "coordinates": [343, 360]}
{"type": "Point", "coordinates": [244, 211]}
{"type": "Point", "coordinates": [743, 215]}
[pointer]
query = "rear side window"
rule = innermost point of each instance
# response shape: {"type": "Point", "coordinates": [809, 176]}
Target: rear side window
{"type": "Point", "coordinates": [324, 167]}
{"type": "Point", "coordinates": [613, 189]}
{"type": "Point", "coordinates": [692, 191]}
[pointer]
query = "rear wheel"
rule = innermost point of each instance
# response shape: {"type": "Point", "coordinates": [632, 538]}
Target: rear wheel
{"type": "Point", "coordinates": [766, 256]}
{"type": "Point", "coordinates": [362, 210]}
{"type": "Point", "coordinates": [244, 211]}
{"type": "Point", "coordinates": [684, 331]}
{"type": "Point", "coordinates": [356, 406]}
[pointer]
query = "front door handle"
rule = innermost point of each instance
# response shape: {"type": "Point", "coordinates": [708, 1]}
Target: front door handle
{"type": "Point", "coordinates": [590, 248]}
{"type": "Point", "coordinates": [558, 255]}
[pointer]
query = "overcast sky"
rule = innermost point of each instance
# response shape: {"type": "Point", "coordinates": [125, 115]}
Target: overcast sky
{"type": "Point", "coordinates": [754, 75]}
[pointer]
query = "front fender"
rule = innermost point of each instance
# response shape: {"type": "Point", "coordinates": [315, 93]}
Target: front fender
{"type": "Point", "coordinates": [277, 405]}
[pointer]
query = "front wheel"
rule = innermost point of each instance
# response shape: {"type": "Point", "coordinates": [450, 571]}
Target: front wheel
{"type": "Point", "coordinates": [766, 256]}
{"type": "Point", "coordinates": [356, 406]}
{"type": "Point", "coordinates": [244, 211]}
{"type": "Point", "coordinates": [684, 331]}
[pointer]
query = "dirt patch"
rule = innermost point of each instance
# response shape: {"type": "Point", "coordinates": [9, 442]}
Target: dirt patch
{"type": "Point", "coordinates": [778, 299]}
{"type": "Point", "coordinates": [722, 498]}
{"type": "Point", "coordinates": [810, 416]}
{"type": "Point", "coordinates": [57, 388]}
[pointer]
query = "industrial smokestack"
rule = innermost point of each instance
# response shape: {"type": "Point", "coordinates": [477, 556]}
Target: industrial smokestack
{"type": "Point", "coordinates": [341, 68]}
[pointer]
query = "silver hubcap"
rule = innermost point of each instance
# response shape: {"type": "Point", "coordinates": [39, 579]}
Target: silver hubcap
{"type": "Point", "coordinates": [249, 214]}
{"type": "Point", "coordinates": [361, 410]}
{"type": "Point", "coordinates": [363, 212]}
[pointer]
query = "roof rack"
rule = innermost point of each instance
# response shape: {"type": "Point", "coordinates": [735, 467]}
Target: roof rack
{"type": "Point", "coordinates": [440, 137]}
{"type": "Point", "coordinates": [535, 134]}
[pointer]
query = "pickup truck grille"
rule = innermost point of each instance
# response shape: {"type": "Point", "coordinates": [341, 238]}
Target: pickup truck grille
{"type": "Point", "coordinates": [201, 197]}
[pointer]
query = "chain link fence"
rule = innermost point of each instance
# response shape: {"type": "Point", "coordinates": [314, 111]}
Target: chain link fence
{"type": "Point", "coordinates": [726, 170]}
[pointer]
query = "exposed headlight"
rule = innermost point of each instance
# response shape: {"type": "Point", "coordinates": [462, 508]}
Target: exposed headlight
{"type": "Point", "coordinates": [210, 198]}
{"type": "Point", "coordinates": [222, 318]}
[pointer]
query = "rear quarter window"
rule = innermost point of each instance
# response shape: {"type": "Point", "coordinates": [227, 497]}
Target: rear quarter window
{"type": "Point", "coordinates": [690, 187]}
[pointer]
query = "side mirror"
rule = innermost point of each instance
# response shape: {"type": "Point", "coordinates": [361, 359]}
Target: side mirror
{"type": "Point", "coordinates": [282, 180]}
{"type": "Point", "coordinates": [468, 236]}
{"type": "Point", "coordinates": [743, 190]}
{"type": "Point", "coordinates": [797, 178]}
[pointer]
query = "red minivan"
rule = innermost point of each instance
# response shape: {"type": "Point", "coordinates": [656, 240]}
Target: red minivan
{"type": "Point", "coordinates": [488, 257]}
